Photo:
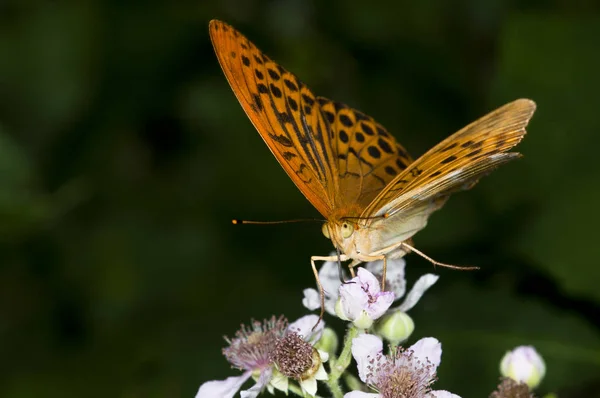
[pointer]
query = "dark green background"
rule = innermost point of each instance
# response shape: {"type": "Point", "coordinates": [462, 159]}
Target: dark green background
{"type": "Point", "coordinates": [124, 155]}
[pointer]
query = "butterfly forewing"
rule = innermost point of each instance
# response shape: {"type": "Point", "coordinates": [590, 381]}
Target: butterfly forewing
{"type": "Point", "coordinates": [337, 156]}
{"type": "Point", "coordinates": [282, 110]}
{"type": "Point", "coordinates": [457, 162]}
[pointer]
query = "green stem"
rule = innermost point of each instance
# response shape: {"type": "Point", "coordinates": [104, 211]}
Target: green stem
{"type": "Point", "coordinates": [339, 366]}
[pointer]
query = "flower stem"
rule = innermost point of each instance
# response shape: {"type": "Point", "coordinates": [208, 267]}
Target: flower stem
{"type": "Point", "coordinates": [339, 366]}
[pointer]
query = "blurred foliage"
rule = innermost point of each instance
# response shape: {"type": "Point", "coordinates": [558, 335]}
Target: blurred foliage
{"type": "Point", "coordinates": [124, 155]}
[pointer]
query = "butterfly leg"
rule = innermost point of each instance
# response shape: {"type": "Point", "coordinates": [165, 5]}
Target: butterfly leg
{"type": "Point", "coordinates": [342, 257]}
{"type": "Point", "coordinates": [374, 258]}
{"type": "Point", "coordinates": [432, 261]}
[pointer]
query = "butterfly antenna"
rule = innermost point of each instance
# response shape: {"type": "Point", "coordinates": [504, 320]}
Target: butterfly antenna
{"type": "Point", "coordinates": [235, 221]}
{"type": "Point", "coordinates": [432, 261]}
{"type": "Point", "coordinates": [358, 218]}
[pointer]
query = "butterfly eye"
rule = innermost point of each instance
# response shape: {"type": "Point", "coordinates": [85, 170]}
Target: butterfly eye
{"type": "Point", "coordinates": [325, 231]}
{"type": "Point", "coordinates": [347, 230]}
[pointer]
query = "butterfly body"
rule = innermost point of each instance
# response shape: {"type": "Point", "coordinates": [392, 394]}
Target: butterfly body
{"type": "Point", "coordinates": [374, 196]}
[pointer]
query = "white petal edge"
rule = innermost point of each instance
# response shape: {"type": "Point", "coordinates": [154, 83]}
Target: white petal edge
{"type": "Point", "coordinates": [360, 394]}
{"type": "Point", "coordinates": [304, 327]}
{"type": "Point", "coordinates": [428, 348]}
{"type": "Point", "coordinates": [309, 386]}
{"type": "Point", "coordinates": [311, 299]}
{"type": "Point", "coordinates": [368, 280]}
{"type": "Point", "coordinates": [222, 388]}
{"type": "Point", "coordinates": [415, 294]}
{"type": "Point", "coordinates": [364, 348]}
{"type": "Point", "coordinates": [264, 379]}
{"type": "Point", "coordinates": [443, 394]}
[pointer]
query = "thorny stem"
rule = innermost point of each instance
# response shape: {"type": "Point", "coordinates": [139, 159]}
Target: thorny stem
{"type": "Point", "coordinates": [339, 366]}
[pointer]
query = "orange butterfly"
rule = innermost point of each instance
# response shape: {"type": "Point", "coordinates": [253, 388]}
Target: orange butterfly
{"type": "Point", "coordinates": [373, 195]}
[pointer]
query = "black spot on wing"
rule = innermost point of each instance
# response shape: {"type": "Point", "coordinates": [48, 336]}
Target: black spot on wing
{"type": "Point", "coordinates": [273, 75]}
{"type": "Point", "coordinates": [257, 102]}
{"type": "Point", "coordinates": [262, 88]}
{"type": "Point", "coordinates": [330, 116]}
{"type": "Point", "coordinates": [374, 152]}
{"type": "Point", "coordinates": [290, 85]}
{"type": "Point", "coordinates": [275, 90]}
{"type": "Point", "coordinates": [448, 159]}
{"type": "Point", "coordinates": [345, 120]}
{"type": "Point", "coordinates": [453, 145]}
{"type": "Point", "coordinates": [288, 155]}
{"type": "Point", "coordinates": [293, 104]}
{"type": "Point", "coordinates": [367, 129]}
{"type": "Point", "coordinates": [281, 139]}
{"type": "Point", "coordinates": [385, 146]}
{"type": "Point", "coordinates": [343, 136]}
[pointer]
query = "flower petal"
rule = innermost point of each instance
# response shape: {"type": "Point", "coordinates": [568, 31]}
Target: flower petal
{"type": "Point", "coordinates": [264, 379]}
{"type": "Point", "coordinates": [394, 278]}
{"type": "Point", "coordinates": [368, 281]}
{"type": "Point", "coordinates": [222, 388]}
{"type": "Point", "coordinates": [309, 386]}
{"type": "Point", "coordinates": [415, 294]}
{"type": "Point", "coordinates": [360, 394]}
{"type": "Point", "coordinates": [279, 381]}
{"type": "Point", "coordinates": [353, 299]}
{"type": "Point", "coordinates": [428, 348]}
{"type": "Point", "coordinates": [329, 277]}
{"type": "Point", "coordinates": [381, 305]}
{"type": "Point", "coordinates": [365, 348]}
{"type": "Point", "coordinates": [443, 394]}
{"type": "Point", "coordinates": [311, 299]}
{"type": "Point", "coordinates": [321, 373]}
{"type": "Point", "coordinates": [524, 365]}
{"type": "Point", "coordinates": [304, 327]}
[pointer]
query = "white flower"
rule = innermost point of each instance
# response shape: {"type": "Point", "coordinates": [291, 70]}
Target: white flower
{"type": "Point", "coordinates": [254, 349]}
{"type": "Point", "coordinates": [250, 350]}
{"type": "Point", "coordinates": [295, 357]}
{"type": "Point", "coordinates": [407, 373]}
{"type": "Point", "coordinates": [362, 301]}
{"type": "Point", "coordinates": [395, 282]}
{"type": "Point", "coordinates": [523, 365]}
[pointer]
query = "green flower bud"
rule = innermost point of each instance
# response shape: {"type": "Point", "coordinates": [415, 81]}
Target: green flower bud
{"type": "Point", "coordinates": [329, 341]}
{"type": "Point", "coordinates": [395, 327]}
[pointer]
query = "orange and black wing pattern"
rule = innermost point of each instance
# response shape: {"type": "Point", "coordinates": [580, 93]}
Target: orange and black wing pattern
{"type": "Point", "coordinates": [338, 157]}
{"type": "Point", "coordinates": [458, 162]}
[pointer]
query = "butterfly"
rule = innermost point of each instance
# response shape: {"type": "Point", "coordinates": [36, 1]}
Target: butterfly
{"type": "Point", "coordinates": [374, 196]}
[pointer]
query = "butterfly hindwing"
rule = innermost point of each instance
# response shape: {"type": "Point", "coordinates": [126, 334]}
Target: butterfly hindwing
{"type": "Point", "coordinates": [368, 157]}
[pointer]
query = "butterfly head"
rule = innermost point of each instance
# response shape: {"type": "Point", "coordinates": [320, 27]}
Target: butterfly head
{"type": "Point", "coordinates": [340, 232]}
